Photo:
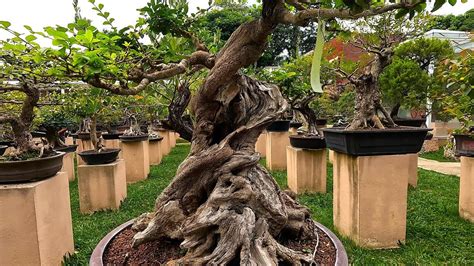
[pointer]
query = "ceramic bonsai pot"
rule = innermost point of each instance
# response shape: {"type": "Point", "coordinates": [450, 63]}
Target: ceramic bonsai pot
{"type": "Point", "coordinates": [7, 143]}
{"type": "Point", "coordinates": [31, 170]}
{"type": "Point", "coordinates": [464, 144]}
{"type": "Point", "coordinates": [87, 135]}
{"type": "Point", "coordinates": [73, 135]}
{"type": "Point", "coordinates": [296, 124]}
{"type": "Point", "coordinates": [321, 121]}
{"type": "Point", "coordinates": [429, 136]}
{"type": "Point", "coordinates": [3, 148]}
{"type": "Point", "coordinates": [126, 138]}
{"type": "Point", "coordinates": [38, 134]}
{"type": "Point", "coordinates": [91, 157]}
{"type": "Point", "coordinates": [67, 149]}
{"type": "Point", "coordinates": [155, 139]}
{"type": "Point", "coordinates": [279, 126]}
{"type": "Point", "coordinates": [307, 142]}
{"type": "Point", "coordinates": [111, 135]}
{"type": "Point", "coordinates": [400, 140]}
{"type": "Point", "coordinates": [409, 122]}
{"type": "Point", "coordinates": [97, 257]}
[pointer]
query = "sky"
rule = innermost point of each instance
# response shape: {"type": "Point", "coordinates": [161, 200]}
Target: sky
{"type": "Point", "coordinates": [40, 13]}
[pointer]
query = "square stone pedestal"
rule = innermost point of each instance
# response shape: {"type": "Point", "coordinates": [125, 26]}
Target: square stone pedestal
{"type": "Point", "coordinates": [68, 166]}
{"type": "Point", "coordinates": [165, 142]}
{"type": "Point", "coordinates": [101, 187]}
{"type": "Point", "coordinates": [69, 141]}
{"type": "Point", "coordinates": [35, 222]}
{"type": "Point", "coordinates": [370, 198]}
{"type": "Point", "coordinates": [261, 144]}
{"type": "Point", "coordinates": [137, 160]}
{"type": "Point", "coordinates": [276, 150]}
{"type": "Point", "coordinates": [306, 170]}
{"type": "Point", "coordinates": [293, 131]}
{"type": "Point", "coordinates": [331, 156]}
{"type": "Point", "coordinates": [113, 144]}
{"type": "Point", "coordinates": [154, 149]}
{"type": "Point", "coordinates": [466, 190]}
{"type": "Point", "coordinates": [413, 170]}
{"type": "Point", "coordinates": [83, 145]}
{"type": "Point", "coordinates": [172, 135]}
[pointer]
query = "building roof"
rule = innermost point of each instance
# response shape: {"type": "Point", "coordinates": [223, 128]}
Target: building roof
{"type": "Point", "coordinates": [461, 40]}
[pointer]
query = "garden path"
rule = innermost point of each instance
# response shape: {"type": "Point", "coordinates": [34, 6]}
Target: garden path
{"type": "Point", "coordinates": [448, 168]}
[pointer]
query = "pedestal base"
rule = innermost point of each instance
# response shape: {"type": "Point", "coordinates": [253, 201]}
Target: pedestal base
{"type": "Point", "coordinates": [306, 170]}
{"type": "Point", "coordinates": [165, 142]}
{"type": "Point", "coordinates": [69, 141]}
{"type": "Point", "coordinates": [276, 150]}
{"type": "Point", "coordinates": [102, 186]}
{"type": "Point", "coordinates": [83, 145]}
{"type": "Point", "coordinates": [35, 222]}
{"type": "Point", "coordinates": [68, 166]}
{"type": "Point", "coordinates": [331, 156]}
{"type": "Point", "coordinates": [413, 170]}
{"type": "Point", "coordinates": [466, 190]}
{"type": "Point", "coordinates": [113, 144]}
{"type": "Point", "coordinates": [154, 149]}
{"type": "Point", "coordinates": [370, 198]}
{"type": "Point", "coordinates": [261, 144]}
{"type": "Point", "coordinates": [137, 160]}
{"type": "Point", "coordinates": [172, 135]}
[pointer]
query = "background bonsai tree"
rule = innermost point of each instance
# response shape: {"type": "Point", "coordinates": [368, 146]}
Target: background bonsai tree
{"type": "Point", "coordinates": [222, 204]}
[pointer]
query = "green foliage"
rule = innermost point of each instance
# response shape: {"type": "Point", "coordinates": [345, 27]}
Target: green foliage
{"type": "Point", "coordinates": [405, 82]}
{"type": "Point", "coordinates": [464, 22]}
{"type": "Point", "coordinates": [425, 51]}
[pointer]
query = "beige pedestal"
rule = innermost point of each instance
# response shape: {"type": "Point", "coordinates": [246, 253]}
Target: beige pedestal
{"type": "Point", "coordinates": [35, 222]}
{"type": "Point", "coordinates": [306, 170]}
{"type": "Point", "coordinates": [261, 144]}
{"type": "Point", "coordinates": [83, 145]}
{"type": "Point", "coordinates": [154, 149]}
{"type": "Point", "coordinates": [69, 141]}
{"type": "Point", "coordinates": [276, 150]}
{"type": "Point", "coordinates": [293, 131]}
{"type": "Point", "coordinates": [413, 169]}
{"type": "Point", "coordinates": [331, 156]}
{"type": "Point", "coordinates": [101, 187]}
{"type": "Point", "coordinates": [113, 144]}
{"type": "Point", "coordinates": [68, 166]}
{"type": "Point", "coordinates": [466, 190]}
{"type": "Point", "coordinates": [370, 198]}
{"type": "Point", "coordinates": [137, 160]}
{"type": "Point", "coordinates": [172, 135]}
{"type": "Point", "coordinates": [165, 143]}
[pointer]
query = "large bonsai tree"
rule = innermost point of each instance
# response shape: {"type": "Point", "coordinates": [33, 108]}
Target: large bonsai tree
{"type": "Point", "coordinates": [222, 204]}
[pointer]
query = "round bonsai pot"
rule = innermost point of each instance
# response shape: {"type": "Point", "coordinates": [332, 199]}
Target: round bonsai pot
{"type": "Point", "coordinates": [30, 170]}
{"type": "Point", "coordinates": [111, 135]}
{"type": "Point", "coordinates": [97, 257]}
{"type": "Point", "coordinates": [366, 142]}
{"type": "Point", "coordinates": [155, 139]}
{"type": "Point", "coordinates": [38, 134]}
{"type": "Point", "coordinates": [464, 144]}
{"type": "Point", "coordinates": [429, 136]}
{"type": "Point", "coordinates": [307, 142]}
{"type": "Point", "coordinates": [321, 121]}
{"type": "Point", "coordinates": [125, 138]}
{"type": "Point", "coordinates": [91, 157]}
{"type": "Point", "coordinates": [87, 135]}
{"type": "Point", "coordinates": [3, 148]}
{"type": "Point", "coordinates": [67, 149]}
{"type": "Point", "coordinates": [409, 122]}
{"type": "Point", "coordinates": [279, 126]}
{"type": "Point", "coordinates": [121, 129]}
{"type": "Point", "coordinates": [295, 124]}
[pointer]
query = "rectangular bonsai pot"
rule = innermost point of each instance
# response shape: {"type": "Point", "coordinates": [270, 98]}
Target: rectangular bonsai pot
{"type": "Point", "coordinates": [464, 144]}
{"type": "Point", "coordinates": [364, 142]}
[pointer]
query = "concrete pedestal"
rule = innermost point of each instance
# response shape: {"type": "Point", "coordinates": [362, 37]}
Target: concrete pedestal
{"type": "Point", "coordinates": [154, 149]}
{"type": "Point", "coordinates": [137, 160]}
{"type": "Point", "coordinates": [113, 144]}
{"type": "Point", "coordinates": [68, 166]}
{"type": "Point", "coordinates": [276, 150]}
{"type": "Point", "coordinates": [261, 144]}
{"type": "Point", "coordinates": [35, 222]}
{"type": "Point", "coordinates": [370, 198]}
{"type": "Point", "coordinates": [466, 190]}
{"type": "Point", "coordinates": [83, 145]}
{"type": "Point", "coordinates": [413, 169]}
{"type": "Point", "coordinates": [69, 141]}
{"type": "Point", "coordinates": [293, 131]}
{"type": "Point", "coordinates": [165, 143]}
{"type": "Point", "coordinates": [331, 156]}
{"type": "Point", "coordinates": [172, 135]}
{"type": "Point", "coordinates": [102, 187]}
{"type": "Point", "coordinates": [306, 170]}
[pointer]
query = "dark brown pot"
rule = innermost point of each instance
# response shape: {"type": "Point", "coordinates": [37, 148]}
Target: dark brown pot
{"type": "Point", "coordinates": [321, 121]}
{"type": "Point", "coordinates": [87, 136]}
{"type": "Point", "coordinates": [111, 135]}
{"type": "Point", "coordinates": [7, 143]}
{"type": "Point", "coordinates": [401, 140]}
{"type": "Point", "coordinates": [31, 170]}
{"type": "Point", "coordinates": [307, 142]}
{"type": "Point", "coordinates": [38, 134]}
{"type": "Point", "coordinates": [464, 145]}
{"type": "Point", "coordinates": [409, 122]}
{"type": "Point", "coordinates": [91, 157]}
{"type": "Point", "coordinates": [3, 148]}
{"type": "Point", "coordinates": [67, 149]}
{"type": "Point", "coordinates": [279, 126]}
{"type": "Point", "coordinates": [155, 139]}
{"type": "Point", "coordinates": [97, 257]}
{"type": "Point", "coordinates": [296, 124]}
{"type": "Point", "coordinates": [125, 138]}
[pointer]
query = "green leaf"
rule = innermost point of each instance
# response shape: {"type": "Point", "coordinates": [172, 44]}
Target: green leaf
{"type": "Point", "coordinates": [401, 13]}
{"type": "Point", "coordinates": [5, 24]}
{"type": "Point", "coordinates": [452, 2]}
{"type": "Point", "coordinates": [316, 63]}
{"type": "Point", "coordinates": [30, 38]}
{"type": "Point", "coordinates": [437, 5]}
{"type": "Point", "coordinates": [101, 6]}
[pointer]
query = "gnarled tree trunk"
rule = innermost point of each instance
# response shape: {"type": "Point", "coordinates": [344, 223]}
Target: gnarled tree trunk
{"type": "Point", "coordinates": [302, 106]}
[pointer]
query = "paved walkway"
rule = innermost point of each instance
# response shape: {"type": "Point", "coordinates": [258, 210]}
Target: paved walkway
{"type": "Point", "coordinates": [447, 168]}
